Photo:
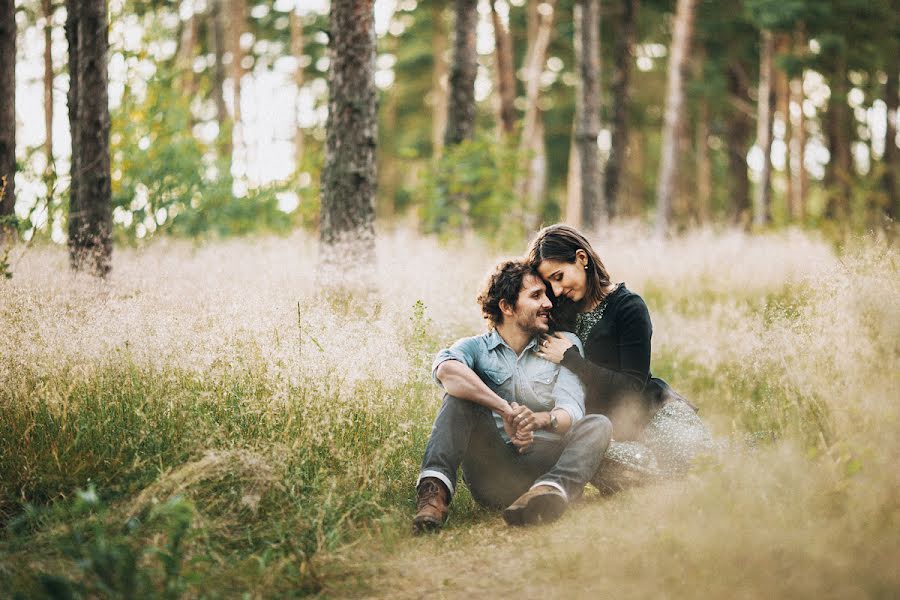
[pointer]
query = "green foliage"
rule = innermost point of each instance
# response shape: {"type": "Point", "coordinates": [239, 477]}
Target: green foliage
{"type": "Point", "coordinates": [473, 187]}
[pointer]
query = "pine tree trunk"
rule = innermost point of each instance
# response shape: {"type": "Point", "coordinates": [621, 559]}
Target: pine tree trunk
{"type": "Point", "coordinates": [587, 107]}
{"type": "Point", "coordinates": [506, 78]}
{"type": "Point", "coordinates": [738, 136]}
{"type": "Point", "coordinates": [237, 26]}
{"type": "Point", "coordinates": [217, 41]}
{"type": "Point", "coordinates": [783, 112]}
{"type": "Point", "coordinates": [837, 131]}
{"type": "Point", "coordinates": [349, 177]}
{"type": "Point", "coordinates": [296, 26]}
{"type": "Point", "coordinates": [187, 51]}
{"type": "Point", "coordinates": [439, 80]}
{"type": "Point", "coordinates": [90, 217]}
{"type": "Point", "coordinates": [704, 165]}
{"type": "Point", "coordinates": [678, 61]}
{"type": "Point", "coordinates": [461, 108]}
{"type": "Point", "coordinates": [7, 113]}
{"type": "Point", "coordinates": [48, 83]}
{"type": "Point", "coordinates": [889, 180]}
{"type": "Point", "coordinates": [72, 17]}
{"type": "Point", "coordinates": [572, 214]}
{"type": "Point", "coordinates": [531, 145]}
{"type": "Point", "coordinates": [798, 151]}
{"type": "Point", "coordinates": [761, 198]}
{"type": "Point", "coordinates": [621, 90]}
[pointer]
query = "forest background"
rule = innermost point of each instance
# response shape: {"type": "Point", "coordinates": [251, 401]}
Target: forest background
{"type": "Point", "coordinates": [187, 411]}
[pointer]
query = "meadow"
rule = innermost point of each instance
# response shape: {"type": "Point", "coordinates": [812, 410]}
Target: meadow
{"type": "Point", "coordinates": [210, 422]}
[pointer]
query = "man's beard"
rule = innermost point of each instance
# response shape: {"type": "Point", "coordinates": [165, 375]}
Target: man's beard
{"type": "Point", "coordinates": [533, 326]}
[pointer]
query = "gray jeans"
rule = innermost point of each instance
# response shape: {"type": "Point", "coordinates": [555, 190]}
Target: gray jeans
{"type": "Point", "coordinates": [465, 434]}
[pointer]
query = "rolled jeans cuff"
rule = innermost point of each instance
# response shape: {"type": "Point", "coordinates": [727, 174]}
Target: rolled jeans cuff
{"type": "Point", "coordinates": [438, 475]}
{"type": "Point", "coordinates": [552, 484]}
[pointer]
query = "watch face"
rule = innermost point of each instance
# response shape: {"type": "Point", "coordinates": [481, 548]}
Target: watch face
{"type": "Point", "coordinates": [554, 422]}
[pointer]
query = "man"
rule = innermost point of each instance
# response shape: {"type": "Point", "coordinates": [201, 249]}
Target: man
{"type": "Point", "coordinates": [514, 421]}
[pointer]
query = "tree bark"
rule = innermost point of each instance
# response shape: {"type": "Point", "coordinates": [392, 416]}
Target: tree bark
{"type": "Point", "coordinates": [623, 53]}
{"type": "Point", "coordinates": [7, 114]}
{"type": "Point", "coordinates": [72, 17]}
{"type": "Point", "coordinates": [837, 131]}
{"type": "Point", "coordinates": [48, 10]}
{"type": "Point", "coordinates": [704, 165]}
{"type": "Point", "coordinates": [90, 217]}
{"type": "Point", "coordinates": [783, 112]}
{"type": "Point", "coordinates": [506, 78]}
{"type": "Point", "coordinates": [531, 145]}
{"type": "Point", "coordinates": [349, 177]}
{"type": "Point", "coordinates": [738, 128]}
{"type": "Point", "coordinates": [439, 80]}
{"type": "Point", "coordinates": [761, 198]}
{"type": "Point", "coordinates": [237, 26]}
{"type": "Point", "coordinates": [461, 107]}
{"type": "Point", "coordinates": [889, 180]}
{"type": "Point", "coordinates": [573, 177]}
{"type": "Point", "coordinates": [187, 51]}
{"type": "Point", "coordinates": [296, 26]}
{"type": "Point", "coordinates": [587, 107]}
{"type": "Point", "coordinates": [678, 61]}
{"type": "Point", "coordinates": [217, 41]}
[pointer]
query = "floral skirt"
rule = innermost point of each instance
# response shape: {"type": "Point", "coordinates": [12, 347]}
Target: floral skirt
{"type": "Point", "coordinates": [667, 447]}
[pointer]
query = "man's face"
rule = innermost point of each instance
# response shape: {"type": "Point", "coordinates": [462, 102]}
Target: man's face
{"type": "Point", "coordinates": [532, 312]}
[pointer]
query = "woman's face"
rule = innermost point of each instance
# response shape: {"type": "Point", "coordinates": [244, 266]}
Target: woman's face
{"type": "Point", "coordinates": [566, 279]}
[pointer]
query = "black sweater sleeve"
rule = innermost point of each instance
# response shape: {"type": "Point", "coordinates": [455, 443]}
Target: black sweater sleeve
{"type": "Point", "coordinates": [605, 384]}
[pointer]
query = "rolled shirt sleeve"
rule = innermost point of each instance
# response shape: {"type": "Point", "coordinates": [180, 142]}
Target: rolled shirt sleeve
{"type": "Point", "coordinates": [465, 351]}
{"type": "Point", "coordinates": [568, 393]}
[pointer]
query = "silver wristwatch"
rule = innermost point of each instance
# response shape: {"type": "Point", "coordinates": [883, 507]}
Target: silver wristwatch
{"type": "Point", "coordinates": [554, 422]}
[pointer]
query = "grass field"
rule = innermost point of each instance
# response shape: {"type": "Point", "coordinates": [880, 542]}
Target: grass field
{"type": "Point", "coordinates": [207, 423]}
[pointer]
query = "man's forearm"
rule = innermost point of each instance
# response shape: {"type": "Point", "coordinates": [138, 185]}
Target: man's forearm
{"type": "Point", "coordinates": [462, 382]}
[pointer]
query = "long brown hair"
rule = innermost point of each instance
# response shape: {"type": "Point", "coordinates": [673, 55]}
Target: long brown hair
{"type": "Point", "coordinates": [561, 243]}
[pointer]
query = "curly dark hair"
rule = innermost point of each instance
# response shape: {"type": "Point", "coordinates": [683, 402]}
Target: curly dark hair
{"type": "Point", "coordinates": [504, 283]}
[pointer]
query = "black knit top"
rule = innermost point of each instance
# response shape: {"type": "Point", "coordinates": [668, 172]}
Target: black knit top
{"type": "Point", "coordinates": [615, 370]}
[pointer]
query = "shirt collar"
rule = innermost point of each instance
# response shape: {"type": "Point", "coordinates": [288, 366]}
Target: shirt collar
{"type": "Point", "coordinates": [495, 339]}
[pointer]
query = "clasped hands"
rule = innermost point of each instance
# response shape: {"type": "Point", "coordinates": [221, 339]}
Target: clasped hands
{"type": "Point", "coordinates": [520, 424]}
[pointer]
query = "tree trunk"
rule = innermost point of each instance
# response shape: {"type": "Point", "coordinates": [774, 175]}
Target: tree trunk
{"type": "Point", "coordinates": [48, 10]}
{"type": "Point", "coordinates": [889, 180]}
{"type": "Point", "coordinates": [738, 135]}
{"type": "Point", "coordinates": [704, 165]}
{"type": "Point", "coordinates": [439, 80]}
{"type": "Point", "coordinates": [72, 16]}
{"type": "Point", "coordinates": [237, 26]}
{"type": "Point", "coordinates": [217, 41]}
{"type": "Point", "coordinates": [761, 198]}
{"type": "Point", "coordinates": [90, 216]}
{"type": "Point", "coordinates": [461, 107]}
{"type": "Point", "coordinates": [187, 51]}
{"type": "Point", "coordinates": [587, 109]}
{"type": "Point", "coordinates": [837, 131]}
{"type": "Point", "coordinates": [623, 59]}
{"type": "Point", "coordinates": [678, 61]}
{"type": "Point", "coordinates": [506, 78]}
{"type": "Point", "coordinates": [349, 177]}
{"type": "Point", "coordinates": [531, 144]}
{"type": "Point", "coordinates": [297, 52]}
{"type": "Point", "coordinates": [798, 135]}
{"type": "Point", "coordinates": [573, 177]}
{"type": "Point", "coordinates": [7, 114]}
{"type": "Point", "coordinates": [783, 112]}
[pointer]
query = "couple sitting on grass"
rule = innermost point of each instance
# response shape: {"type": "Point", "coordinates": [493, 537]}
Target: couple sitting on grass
{"type": "Point", "coordinates": [532, 412]}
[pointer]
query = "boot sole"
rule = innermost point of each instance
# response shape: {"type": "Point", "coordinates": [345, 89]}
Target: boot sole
{"type": "Point", "coordinates": [540, 509]}
{"type": "Point", "coordinates": [426, 525]}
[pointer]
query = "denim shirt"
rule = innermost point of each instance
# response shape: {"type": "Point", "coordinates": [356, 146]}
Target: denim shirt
{"type": "Point", "coordinates": [526, 379]}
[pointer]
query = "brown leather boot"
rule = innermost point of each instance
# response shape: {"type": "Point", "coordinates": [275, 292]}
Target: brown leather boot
{"type": "Point", "coordinates": [432, 505]}
{"type": "Point", "coordinates": [543, 503]}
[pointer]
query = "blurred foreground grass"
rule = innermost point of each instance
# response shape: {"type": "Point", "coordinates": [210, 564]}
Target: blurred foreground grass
{"type": "Point", "coordinates": [206, 424]}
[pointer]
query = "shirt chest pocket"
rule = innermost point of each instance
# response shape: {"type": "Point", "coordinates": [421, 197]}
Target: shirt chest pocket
{"type": "Point", "coordinates": [498, 379]}
{"type": "Point", "coordinates": [542, 383]}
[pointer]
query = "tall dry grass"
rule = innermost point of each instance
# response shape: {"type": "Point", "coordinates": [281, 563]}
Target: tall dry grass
{"type": "Point", "coordinates": [293, 422]}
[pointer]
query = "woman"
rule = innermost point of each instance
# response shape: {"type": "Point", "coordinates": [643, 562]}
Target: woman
{"type": "Point", "coordinates": [657, 432]}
